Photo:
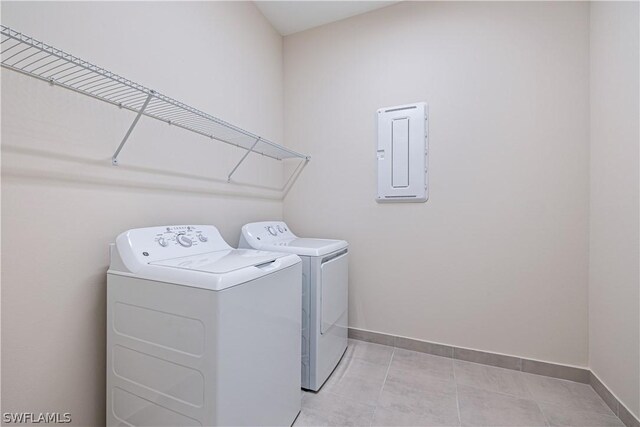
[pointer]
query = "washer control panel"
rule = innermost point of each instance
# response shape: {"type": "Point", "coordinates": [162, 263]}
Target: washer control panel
{"type": "Point", "coordinates": [156, 243]}
{"type": "Point", "coordinates": [185, 236]}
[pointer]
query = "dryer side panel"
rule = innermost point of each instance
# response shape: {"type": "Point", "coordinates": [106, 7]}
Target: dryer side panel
{"type": "Point", "coordinates": [334, 292]}
{"type": "Point", "coordinates": [328, 346]}
{"type": "Point", "coordinates": [307, 361]}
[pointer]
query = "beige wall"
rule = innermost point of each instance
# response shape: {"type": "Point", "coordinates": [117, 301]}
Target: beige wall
{"type": "Point", "coordinates": [614, 290]}
{"type": "Point", "coordinates": [63, 202]}
{"type": "Point", "coordinates": [497, 258]}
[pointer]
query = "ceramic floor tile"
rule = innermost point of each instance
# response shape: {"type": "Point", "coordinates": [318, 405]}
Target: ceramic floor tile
{"type": "Point", "coordinates": [486, 408]}
{"type": "Point", "coordinates": [491, 378]}
{"type": "Point", "coordinates": [386, 418]}
{"type": "Point", "coordinates": [418, 368]}
{"type": "Point", "coordinates": [326, 409]}
{"type": "Point", "coordinates": [357, 379]}
{"type": "Point", "coordinates": [571, 395]}
{"type": "Point", "coordinates": [433, 404]}
{"type": "Point", "coordinates": [374, 353]}
{"type": "Point", "coordinates": [560, 416]}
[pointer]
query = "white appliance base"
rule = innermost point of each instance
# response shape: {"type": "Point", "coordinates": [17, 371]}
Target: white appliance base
{"type": "Point", "coordinates": [179, 355]}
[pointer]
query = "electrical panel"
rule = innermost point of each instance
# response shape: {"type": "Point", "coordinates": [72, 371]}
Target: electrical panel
{"type": "Point", "coordinates": [403, 153]}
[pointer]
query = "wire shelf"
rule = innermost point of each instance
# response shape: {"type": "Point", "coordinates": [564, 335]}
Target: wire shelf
{"type": "Point", "coordinates": [26, 55]}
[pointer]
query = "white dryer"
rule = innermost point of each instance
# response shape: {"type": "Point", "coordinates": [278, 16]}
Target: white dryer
{"type": "Point", "coordinates": [200, 334]}
{"type": "Point", "coordinates": [324, 294]}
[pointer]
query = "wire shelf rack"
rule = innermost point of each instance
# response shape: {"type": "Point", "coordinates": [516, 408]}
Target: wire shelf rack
{"type": "Point", "coordinates": [26, 55]}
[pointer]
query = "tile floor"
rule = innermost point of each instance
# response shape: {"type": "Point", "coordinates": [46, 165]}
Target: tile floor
{"type": "Point", "coordinates": [377, 385]}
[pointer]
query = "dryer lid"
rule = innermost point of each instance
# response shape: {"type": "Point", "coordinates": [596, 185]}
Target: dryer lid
{"type": "Point", "coordinates": [220, 262]}
{"type": "Point", "coordinates": [276, 236]}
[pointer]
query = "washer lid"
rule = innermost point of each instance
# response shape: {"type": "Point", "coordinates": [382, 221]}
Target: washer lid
{"type": "Point", "coordinates": [220, 262]}
{"type": "Point", "coordinates": [305, 246]}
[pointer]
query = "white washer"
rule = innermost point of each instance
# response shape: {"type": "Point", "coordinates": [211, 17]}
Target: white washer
{"type": "Point", "coordinates": [200, 334]}
{"type": "Point", "coordinates": [324, 294]}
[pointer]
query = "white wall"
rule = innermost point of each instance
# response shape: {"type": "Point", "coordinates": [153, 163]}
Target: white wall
{"type": "Point", "coordinates": [63, 202]}
{"type": "Point", "coordinates": [497, 258]}
{"type": "Point", "coordinates": [614, 290]}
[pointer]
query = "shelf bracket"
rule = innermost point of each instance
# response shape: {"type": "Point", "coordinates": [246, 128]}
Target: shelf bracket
{"type": "Point", "coordinates": [242, 159]}
{"type": "Point", "coordinates": [114, 158]}
{"type": "Point", "coordinates": [296, 171]}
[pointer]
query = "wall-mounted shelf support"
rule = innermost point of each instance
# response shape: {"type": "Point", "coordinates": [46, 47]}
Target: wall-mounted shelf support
{"type": "Point", "coordinates": [34, 58]}
{"type": "Point", "coordinates": [242, 160]}
{"type": "Point", "coordinates": [114, 158]}
{"type": "Point", "coordinates": [295, 172]}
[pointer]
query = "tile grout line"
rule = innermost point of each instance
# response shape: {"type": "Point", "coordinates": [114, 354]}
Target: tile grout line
{"type": "Point", "coordinates": [544, 416]}
{"type": "Point", "coordinates": [501, 393]}
{"type": "Point", "coordinates": [455, 383]}
{"type": "Point", "coordinates": [386, 374]}
{"type": "Point", "coordinates": [535, 400]}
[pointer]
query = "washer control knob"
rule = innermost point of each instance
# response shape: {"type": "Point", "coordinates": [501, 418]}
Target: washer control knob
{"type": "Point", "coordinates": [280, 229]}
{"type": "Point", "coordinates": [162, 242]}
{"type": "Point", "coordinates": [184, 240]}
{"type": "Point", "coordinates": [272, 231]}
{"type": "Point", "coordinates": [202, 238]}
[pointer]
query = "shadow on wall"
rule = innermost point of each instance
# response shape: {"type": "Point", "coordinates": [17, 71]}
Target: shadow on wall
{"type": "Point", "coordinates": [220, 187]}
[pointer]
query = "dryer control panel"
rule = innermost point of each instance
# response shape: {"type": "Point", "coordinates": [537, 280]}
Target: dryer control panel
{"type": "Point", "coordinates": [268, 231]}
{"type": "Point", "coordinates": [145, 245]}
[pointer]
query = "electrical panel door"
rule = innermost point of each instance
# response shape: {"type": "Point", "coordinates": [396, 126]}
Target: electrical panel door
{"type": "Point", "coordinates": [402, 154]}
